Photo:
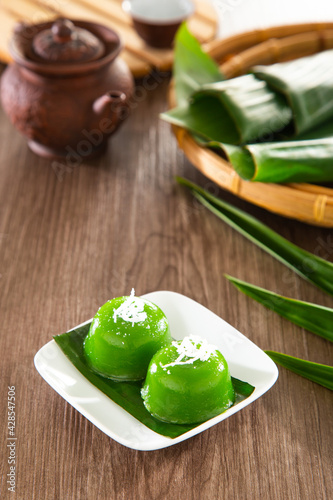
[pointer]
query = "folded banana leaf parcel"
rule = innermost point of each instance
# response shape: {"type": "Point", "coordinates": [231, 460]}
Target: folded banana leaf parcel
{"type": "Point", "coordinates": [274, 124]}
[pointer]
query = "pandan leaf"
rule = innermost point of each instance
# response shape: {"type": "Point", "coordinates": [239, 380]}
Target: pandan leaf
{"type": "Point", "coordinates": [127, 394]}
{"type": "Point", "coordinates": [321, 374]}
{"type": "Point", "coordinates": [310, 267]}
{"type": "Point", "coordinates": [315, 318]}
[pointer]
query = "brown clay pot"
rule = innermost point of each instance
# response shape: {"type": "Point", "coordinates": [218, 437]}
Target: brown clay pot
{"type": "Point", "coordinates": [66, 90]}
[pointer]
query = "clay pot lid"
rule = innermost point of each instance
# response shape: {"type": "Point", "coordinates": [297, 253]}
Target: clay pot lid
{"type": "Point", "coordinates": [24, 48]}
{"type": "Point", "coordinates": [64, 42]}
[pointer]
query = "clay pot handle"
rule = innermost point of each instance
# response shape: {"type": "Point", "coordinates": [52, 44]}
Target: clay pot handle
{"type": "Point", "coordinates": [112, 105]}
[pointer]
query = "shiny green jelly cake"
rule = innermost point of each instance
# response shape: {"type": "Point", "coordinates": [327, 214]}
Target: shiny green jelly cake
{"type": "Point", "coordinates": [124, 335]}
{"type": "Point", "coordinates": [188, 382]}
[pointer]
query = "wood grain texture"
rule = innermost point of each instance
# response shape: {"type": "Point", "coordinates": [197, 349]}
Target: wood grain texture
{"type": "Point", "coordinates": [69, 242]}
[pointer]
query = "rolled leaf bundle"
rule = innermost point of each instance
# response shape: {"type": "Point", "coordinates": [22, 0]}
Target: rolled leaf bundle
{"type": "Point", "coordinates": [296, 161]}
{"type": "Point", "coordinates": [245, 109]}
{"type": "Point", "coordinates": [239, 116]}
{"type": "Point", "coordinates": [289, 161]}
{"type": "Point", "coordinates": [307, 83]}
{"type": "Point", "coordinates": [192, 69]}
{"type": "Point", "coordinates": [202, 117]}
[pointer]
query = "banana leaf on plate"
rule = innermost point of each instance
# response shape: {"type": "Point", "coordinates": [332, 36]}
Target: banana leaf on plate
{"type": "Point", "coordinates": [127, 394]}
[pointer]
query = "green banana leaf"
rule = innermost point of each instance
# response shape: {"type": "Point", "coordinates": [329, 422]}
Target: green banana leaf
{"type": "Point", "coordinates": [127, 394]}
{"type": "Point", "coordinates": [317, 319]}
{"type": "Point", "coordinates": [310, 267]}
{"type": "Point", "coordinates": [289, 161]}
{"type": "Point", "coordinates": [321, 132]}
{"type": "Point", "coordinates": [307, 83]}
{"type": "Point", "coordinates": [244, 107]}
{"type": "Point", "coordinates": [233, 111]}
{"type": "Point", "coordinates": [192, 66]}
{"type": "Point", "coordinates": [296, 161]}
{"type": "Point", "coordinates": [321, 374]}
{"type": "Point", "coordinates": [206, 118]}
{"type": "Point", "coordinates": [225, 114]}
{"type": "Point", "coordinates": [256, 111]}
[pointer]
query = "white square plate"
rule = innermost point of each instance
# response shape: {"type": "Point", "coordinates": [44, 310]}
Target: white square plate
{"type": "Point", "coordinates": [186, 317]}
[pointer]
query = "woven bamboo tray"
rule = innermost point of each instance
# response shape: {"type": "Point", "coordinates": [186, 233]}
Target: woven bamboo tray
{"type": "Point", "coordinates": [140, 57]}
{"type": "Point", "coordinates": [305, 202]}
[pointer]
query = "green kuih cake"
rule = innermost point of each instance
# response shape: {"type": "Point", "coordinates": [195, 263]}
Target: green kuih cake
{"type": "Point", "coordinates": [123, 336]}
{"type": "Point", "coordinates": [188, 382]}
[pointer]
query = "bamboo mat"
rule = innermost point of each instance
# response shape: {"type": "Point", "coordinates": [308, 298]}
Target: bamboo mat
{"type": "Point", "coordinates": [140, 57]}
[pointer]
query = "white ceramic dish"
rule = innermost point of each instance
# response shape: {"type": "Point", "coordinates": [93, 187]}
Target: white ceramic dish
{"type": "Point", "coordinates": [246, 361]}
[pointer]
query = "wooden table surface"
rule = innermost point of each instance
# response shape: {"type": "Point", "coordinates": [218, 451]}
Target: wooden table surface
{"type": "Point", "coordinates": [70, 239]}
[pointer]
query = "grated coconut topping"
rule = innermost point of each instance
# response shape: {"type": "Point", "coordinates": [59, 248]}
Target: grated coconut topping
{"type": "Point", "coordinates": [191, 349]}
{"type": "Point", "coordinates": [132, 310]}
